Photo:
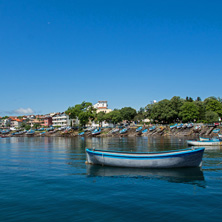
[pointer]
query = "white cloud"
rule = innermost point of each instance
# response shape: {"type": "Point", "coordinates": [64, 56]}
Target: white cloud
{"type": "Point", "coordinates": [24, 111]}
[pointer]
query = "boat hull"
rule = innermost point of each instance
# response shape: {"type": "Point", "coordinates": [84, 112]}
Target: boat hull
{"type": "Point", "coordinates": [184, 158]}
{"type": "Point", "coordinates": [204, 143]}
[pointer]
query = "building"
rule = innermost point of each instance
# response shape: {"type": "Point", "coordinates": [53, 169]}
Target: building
{"type": "Point", "coordinates": [15, 122]}
{"type": "Point", "coordinates": [47, 121]}
{"type": "Point", "coordinates": [61, 119]}
{"type": "Point", "coordinates": [102, 106]}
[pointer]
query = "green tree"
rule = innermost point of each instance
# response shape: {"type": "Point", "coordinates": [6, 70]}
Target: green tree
{"type": "Point", "coordinates": [201, 110]}
{"type": "Point", "coordinates": [84, 112]}
{"type": "Point", "coordinates": [161, 111]}
{"type": "Point", "coordinates": [212, 104]}
{"type": "Point", "coordinates": [211, 117]}
{"type": "Point", "coordinates": [176, 102]}
{"type": "Point", "coordinates": [113, 117]}
{"type": "Point", "coordinates": [100, 117]}
{"type": "Point", "coordinates": [36, 125]}
{"type": "Point", "coordinates": [128, 113]}
{"type": "Point", "coordinates": [189, 112]}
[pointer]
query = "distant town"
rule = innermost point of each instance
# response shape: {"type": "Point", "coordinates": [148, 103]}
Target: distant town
{"type": "Point", "coordinates": [59, 119]}
{"type": "Point", "coordinates": [175, 110]}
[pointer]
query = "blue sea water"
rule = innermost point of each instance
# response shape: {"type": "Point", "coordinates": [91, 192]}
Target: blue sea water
{"type": "Point", "coordinates": [46, 179]}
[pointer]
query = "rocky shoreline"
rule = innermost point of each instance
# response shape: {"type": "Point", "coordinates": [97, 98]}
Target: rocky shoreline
{"type": "Point", "coordinates": [204, 131]}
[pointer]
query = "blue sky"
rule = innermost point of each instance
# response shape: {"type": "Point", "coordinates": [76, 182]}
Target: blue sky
{"type": "Point", "coordinates": [55, 54]}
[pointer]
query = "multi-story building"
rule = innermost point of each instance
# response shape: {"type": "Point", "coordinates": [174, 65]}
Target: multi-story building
{"type": "Point", "coordinates": [47, 121]}
{"type": "Point", "coordinates": [15, 122]}
{"type": "Point", "coordinates": [61, 119]}
{"type": "Point", "coordinates": [102, 106]}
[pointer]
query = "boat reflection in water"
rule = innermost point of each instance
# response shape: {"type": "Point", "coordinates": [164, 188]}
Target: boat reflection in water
{"type": "Point", "coordinates": [192, 175]}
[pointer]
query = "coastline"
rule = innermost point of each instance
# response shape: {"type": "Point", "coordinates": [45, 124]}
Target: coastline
{"type": "Point", "coordinates": [204, 130]}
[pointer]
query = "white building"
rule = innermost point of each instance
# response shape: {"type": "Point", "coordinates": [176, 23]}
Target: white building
{"type": "Point", "coordinates": [102, 106]}
{"type": "Point", "coordinates": [61, 119]}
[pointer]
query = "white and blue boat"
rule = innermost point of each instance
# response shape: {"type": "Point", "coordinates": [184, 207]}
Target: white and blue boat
{"type": "Point", "coordinates": [204, 139]}
{"type": "Point", "coordinates": [30, 132]}
{"type": "Point", "coordinates": [41, 129]}
{"type": "Point", "coordinates": [115, 130]}
{"type": "Point", "coordinates": [180, 126]}
{"type": "Point", "coordinates": [96, 131]}
{"type": "Point", "coordinates": [81, 134]}
{"type": "Point", "coordinates": [123, 131]}
{"type": "Point", "coordinates": [220, 136]}
{"type": "Point", "coordinates": [144, 131]}
{"type": "Point", "coordinates": [173, 126]}
{"type": "Point", "coordinates": [191, 157]}
{"type": "Point", "coordinates": [50, 129]}
{"type": "Point", "coordinates": [212, 142]}
{"type": "Point", "coordinates": [5, 131]}
{"type": "Point", "coordinates": [189, 125]}
{"type": "Point", "coordinates": [216, 131]}
{"type": "Point", "coordinates": [152, 128]}
{"type": "Point", "coordinates": [139, 129]}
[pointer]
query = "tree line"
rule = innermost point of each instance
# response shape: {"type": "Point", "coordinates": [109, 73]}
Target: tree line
{"type": "Point", "coordinates": [165, 111]}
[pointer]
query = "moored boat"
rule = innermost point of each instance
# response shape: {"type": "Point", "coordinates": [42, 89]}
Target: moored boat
{"type": "Point", "coordinates": [189, 125]}
{"type": "Point", "coordinates": [173, 126]}
{"type": "Point", "coordinates": [139, 129]}
{"type": "Point", "coordinates": [212, 142]}
{"type": "Point", "coordinates": [123, 131]}
{"type": "Point", "coordinates": [115, 130]}
{"type": "Point", "coordinates": [216, 131]}
{"type": "Point", "coordinates": [180, 126]}
{"type": "Point", "coordinates": [144, 131]}
{"type": "Point", "coordinates": [204, 139]}
{"type": "Point", "coordinates": [81, 133]}
{"type": "Point", "coordinates": [30, 132]}
{"type": "Point", "coordinates": [96, 131]}
{"type": "Point", "coordinates": [191, 157]}
{"type": "Point", "coordinates": [152, 128]}
{"type": "Point", "coordinates": [220, 136]}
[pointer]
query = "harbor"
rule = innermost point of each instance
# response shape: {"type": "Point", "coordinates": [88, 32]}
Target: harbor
{"type": "Point", "coordinates": [48, 176]}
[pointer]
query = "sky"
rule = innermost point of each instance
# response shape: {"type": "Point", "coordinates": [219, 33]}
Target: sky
{"type": "Point", "coordinates": [55, 54]}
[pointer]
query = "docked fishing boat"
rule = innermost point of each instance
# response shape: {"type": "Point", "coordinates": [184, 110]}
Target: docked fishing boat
{"type": "Point", "coordinates": [115, 130]}
{"type": "Point", "coordinates": [19, 133]}
{"type": "Point", "coordinates": [152, 128]}
{"type": "Point", "coordinates": [180, 126]}
{"type": "Point", "coordinates": [5, 131]}
{"type": "Point", "coordinates": [139, 129]}
{"type": "Point", "coordinates": [81, 133]}
{"type": "Point", "coordinates": [189, 125]}
{"type": "Point", "coordinates": [123, 131]}
{"type": "Point", "coordinates": [197, 128]}
{"type": "Point", "coordinates": [144, 131]}
{"type": "Point", "coordinates": [204, 139]}
{"type": "Point", "coordinates": [96, 131]}
{"type": "Point", "coordinates": [191, 157]}
{"type": "Point", "coordinates": [30, 132]}
{"type": "Point", "coordinates": [50, 129]}
{"type": "Point", "coordinates": [216, 131]}
{"type": "Point", "coordinates": [40, 129]}
{"type": "Point", "coordinates": [220, 136]}
{"type": "Point", "coordinates": [173, 126]}
{"type": "Point", "coordinates": [212, 142]}
{"type": "Point", "coordinates": [42, 134]}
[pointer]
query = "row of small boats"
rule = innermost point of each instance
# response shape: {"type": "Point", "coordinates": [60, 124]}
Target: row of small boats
{"type": "Point", "coordinates": [96, 131]}
{"type": "Point", "coordinates": [181, 125]}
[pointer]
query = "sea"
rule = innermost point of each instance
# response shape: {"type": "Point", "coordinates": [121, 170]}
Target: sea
{"type": "Point", "coordinates": [46, 179]}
